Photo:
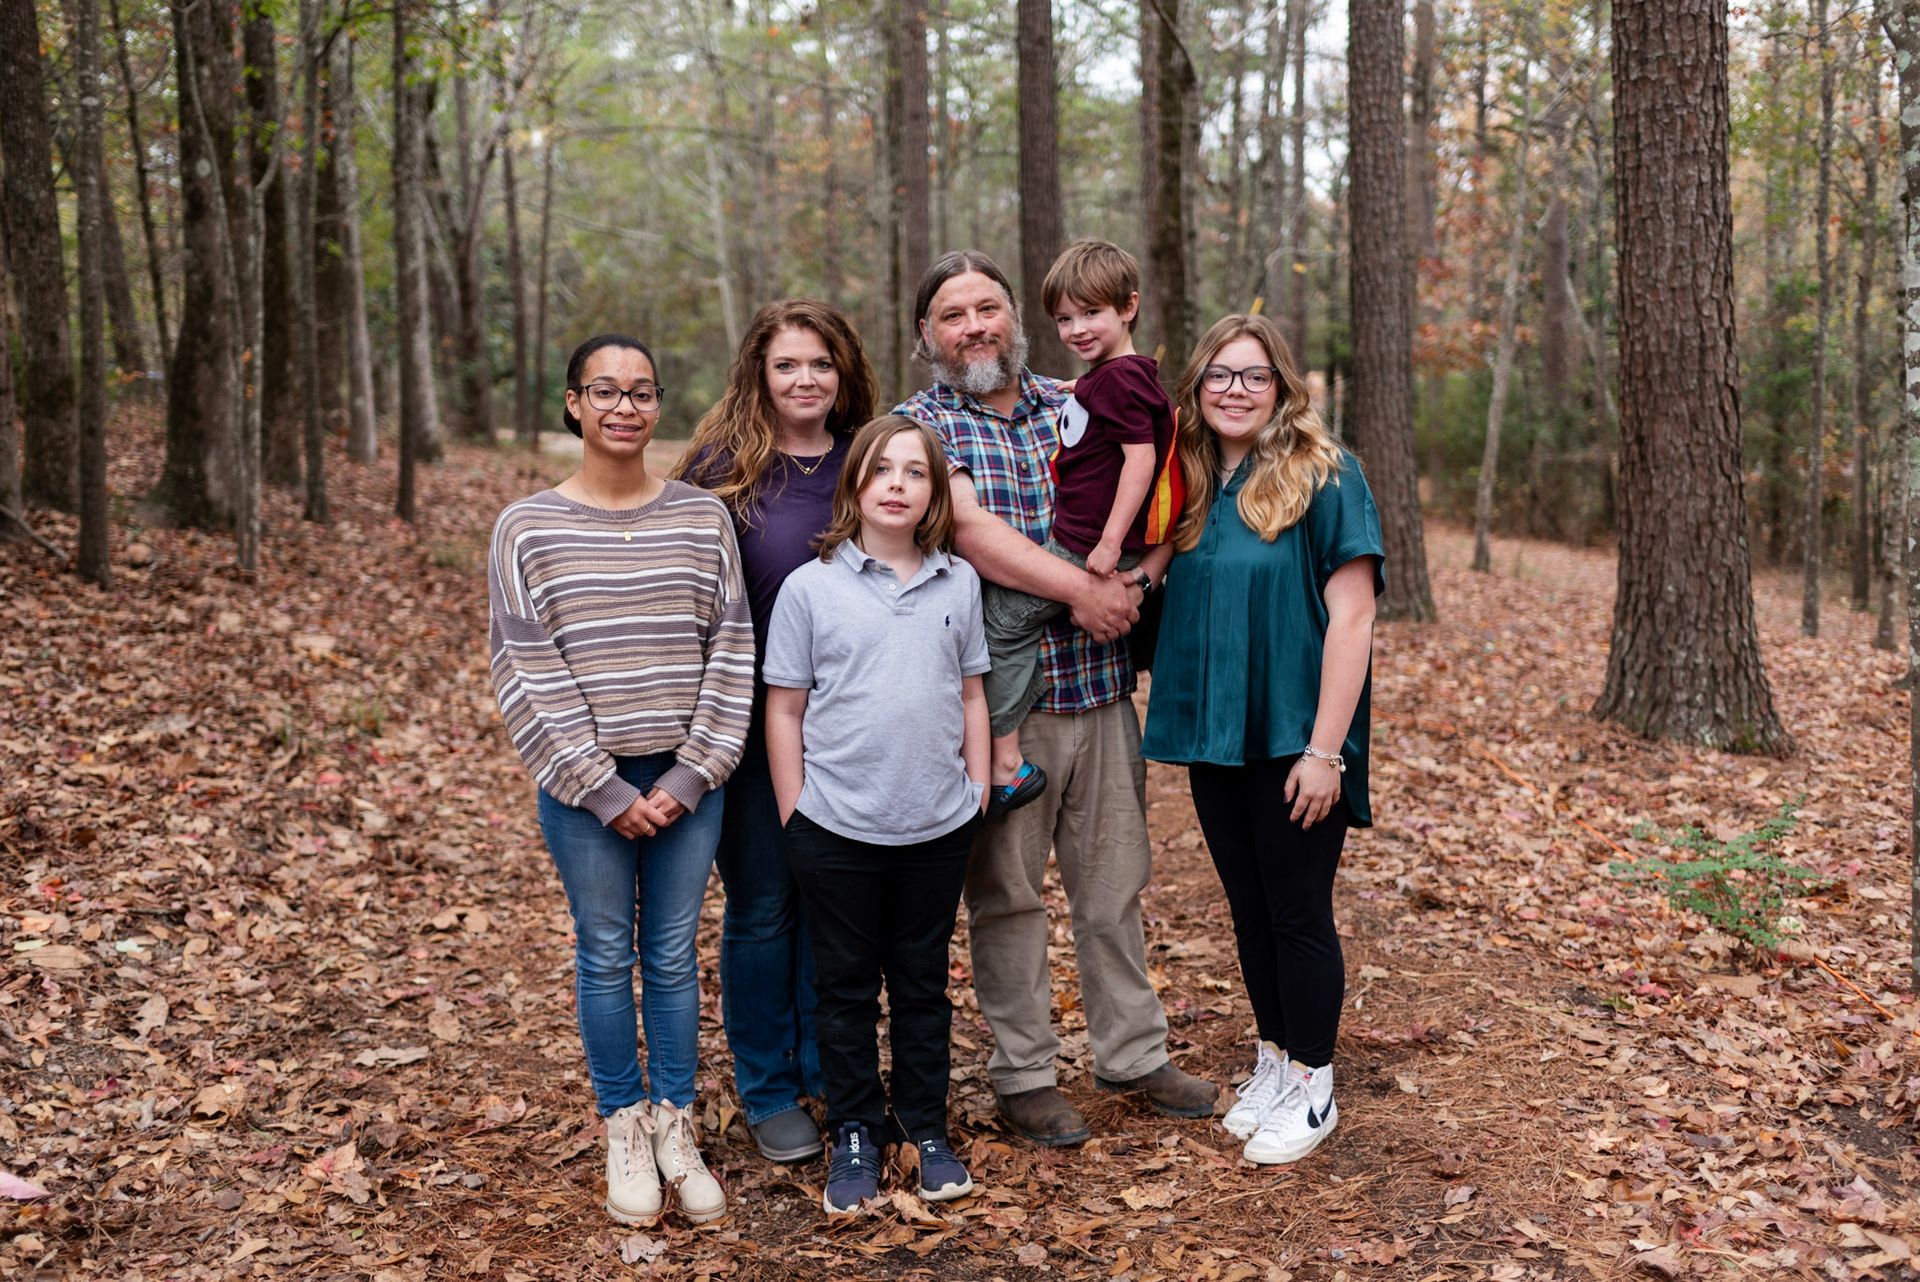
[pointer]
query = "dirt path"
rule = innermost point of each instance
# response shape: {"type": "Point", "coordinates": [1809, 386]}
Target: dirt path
{"type": "Point", "coordinates": [288, 983]}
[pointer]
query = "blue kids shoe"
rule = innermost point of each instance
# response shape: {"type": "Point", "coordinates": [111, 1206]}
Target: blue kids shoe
{"type": "Point", "coordinates": [1028, 784]}
{"type": "Point", "coordinates": [942, 1177]}
{"type": "Point", "coordinates": [853, 1172]}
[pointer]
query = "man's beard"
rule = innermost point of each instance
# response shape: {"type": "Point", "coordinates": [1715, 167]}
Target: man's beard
{"type": "Point", "coordinates": [983, 375]}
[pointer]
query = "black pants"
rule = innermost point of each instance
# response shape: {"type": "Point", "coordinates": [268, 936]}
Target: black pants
{"type": "Point", "coordinates": [1279, 882]}
{"type": "Point", "coordinates": [881, 913]}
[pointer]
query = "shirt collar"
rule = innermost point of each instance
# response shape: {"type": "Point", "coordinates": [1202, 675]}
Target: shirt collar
{"type": "Point", "coordinates": [856, 560]}
{"type": "Point", "coordinates": [1037, 392]}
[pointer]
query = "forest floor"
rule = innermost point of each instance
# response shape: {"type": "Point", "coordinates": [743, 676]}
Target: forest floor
{"type": "Point", "coordinates": [286, 989]}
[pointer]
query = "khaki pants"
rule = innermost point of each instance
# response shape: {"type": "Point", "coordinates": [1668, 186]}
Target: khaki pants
{"type": "Point", "coordinates": [1093, 817]}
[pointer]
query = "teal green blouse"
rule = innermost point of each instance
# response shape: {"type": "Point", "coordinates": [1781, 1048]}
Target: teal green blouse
{"type": "Point", "coordinates": [1236, 676]}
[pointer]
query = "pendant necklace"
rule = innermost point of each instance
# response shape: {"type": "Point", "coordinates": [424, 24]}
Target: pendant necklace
{"type": "Point", "coordinates": [818, 460]}
{"type": "Point", "coordinates": [626, 534]}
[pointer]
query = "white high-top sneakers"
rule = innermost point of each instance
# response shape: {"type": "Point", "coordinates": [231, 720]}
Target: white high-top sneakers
{"type": "Point", "coordinates": [1259, 1092]}
{"type": "Point", "coordinates": [700, 1196]}
{"type": "Point", "coordinates": [633, 1181]}
{"type": "Point", "coordinates": [1304, 1115]}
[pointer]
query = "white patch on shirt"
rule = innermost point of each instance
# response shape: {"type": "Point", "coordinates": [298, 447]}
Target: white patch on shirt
{"type": "Point", "coordinates": [1073, 422]}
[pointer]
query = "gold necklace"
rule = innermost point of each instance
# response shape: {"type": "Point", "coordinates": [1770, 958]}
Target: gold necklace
{"type": "Point", "coordinates": [626, 533]}
{"type": "Point", "coordinates": [817, 462]}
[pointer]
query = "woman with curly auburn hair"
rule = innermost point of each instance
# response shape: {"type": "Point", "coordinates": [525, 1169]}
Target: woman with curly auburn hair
{"type": "Point", "coordinates": [772, 450]}
{"type": "Point", "coordinates": [1260, 687]}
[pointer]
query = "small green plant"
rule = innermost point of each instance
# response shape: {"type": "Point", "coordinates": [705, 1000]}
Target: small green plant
{"type": "Point", "coordinates": [1739, 885]}
{"type": "Point", "coordinates": [368, 716]}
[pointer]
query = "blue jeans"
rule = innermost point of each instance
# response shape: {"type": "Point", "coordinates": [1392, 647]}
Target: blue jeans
{"type": "Point", "coordinates": [766, 956]}
{"type": "Point", "coordinates": [636, 900]}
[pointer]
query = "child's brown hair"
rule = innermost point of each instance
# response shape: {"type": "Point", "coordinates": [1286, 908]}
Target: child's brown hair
{"type": "Point", "coordinates": [935, 531]}
{"type": "Point", "coordinates": [1092, 271]}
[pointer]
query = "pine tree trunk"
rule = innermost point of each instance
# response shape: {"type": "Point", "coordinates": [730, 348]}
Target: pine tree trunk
{"type": "Point", "coordinates": [1901, 19]}
{"type": "Point", "coordinates": [1503, 358]}
{"type": "Point", "coordinates": [89, 176]}
{"type": "Point", "coordinates": [1042, 226]}
{"type": "Point", "coordinates": [123, 321]}
{"type": "Point", "coordinates": [50, 476]}
{"type": "Point", "coordinates": [416, 400]}
{"type": "Point", "coordinates": [155, 272]}
{"type": "Point", "coordinates": [197, 483]}
{"type": "Point", "coordinates": [1813, 540]}
{"type": "Point", "coordinates": [1381, 387]}
{"type": "Point", "coordinates": [329, 260]}
{"type": "Point", "coordinates": [1863, 418]}
{"type": "Point", "coordinates": [1685, 658]}
{"type": "Point", "coordinates": [1296, 312]}
{"type": "Point", "coordinates": [12, 513]}
{"type": "Point", "coordinates": [948, 135]}
{"type": "Point", "coordinates": [910, 170]}
{"type": "Point", "coordinates": [1167, 246]}
{"type": "Point", "coordinates": [832, 276]}
{"type": "Point", "coordinates": [279, 373]}
{"type": "Point", "coordinates": [363, 441]}
{"type": "Point", "coordinates": [1422, 162]}
{"type": "Point", "coordinates": [548, 143]}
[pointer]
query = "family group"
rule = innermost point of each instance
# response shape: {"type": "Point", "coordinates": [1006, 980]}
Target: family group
{"type": "Point", "coordinates": [873, 664]}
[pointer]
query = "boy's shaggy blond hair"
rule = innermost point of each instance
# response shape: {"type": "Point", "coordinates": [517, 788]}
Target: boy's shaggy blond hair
{"type": "Point", "coordinates": [1098, 272]}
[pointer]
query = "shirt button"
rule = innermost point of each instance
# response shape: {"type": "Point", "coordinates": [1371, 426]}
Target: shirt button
{"type": "Point", "coordinates": [892, 587]}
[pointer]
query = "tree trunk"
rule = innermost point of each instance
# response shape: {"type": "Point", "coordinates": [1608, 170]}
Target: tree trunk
{"type": "Point", "coordinates": [1381, 387]}
{"type": "Point", "coordinates": [10, 526]}
{"type": "Point", "coordinates": [329, 259]}
{"type": "Point", "coordinates": [155, 272]}
{"type": "Point", "coordinates": [1901, 19]}
{"type": "Point", "coordinates": [279, 373]}
{"type": "Point", "coordinates": [1422, 162]}
{"type": "Point", "coordinates": [50, 477]}
{"type": "Point", "coordinates": [944, 124]}
{"type": "Point", "coordinates": [306, 285]}
{"type": "Point", "coordinates": [418, 412]}
{"type": "Point", "coordinates": [547, 144]}
{"type": "Point", "coordinates": [363, 441]}
{"type": "Point", "coordinates": [123, 321]}
{"type": "Point", "coordinates": [1296, 311]}
{"type": "Point", "coordinates": [1503, 359]}
{"type": "Point", "coordinates": [517, 283]}
{"type": "Point", "coordinates": [1892, 488]}
{"type": "Point", "coordinates": [1685, 659]}
{"type": "Point", "coordinates": [1042, 226]}
{"type": "Point", "coordinates": [832, 278]}
{"type": "Point", "coordinates": [912, 137]}
{"type": "Point", "coordinates": [197, 482]}
{"type": "Point", "coordinates": [1813, 540]}
{"type": "Point", "coordinates": [89, 176]}
{"type": "Point", "coordinates": [1172, 298]}
{"type": "Point", "coordinates": [1477, 258]}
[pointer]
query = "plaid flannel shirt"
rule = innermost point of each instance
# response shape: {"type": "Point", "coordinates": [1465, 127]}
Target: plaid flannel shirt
{"type": "Point", "coordinates": [1009, 460]}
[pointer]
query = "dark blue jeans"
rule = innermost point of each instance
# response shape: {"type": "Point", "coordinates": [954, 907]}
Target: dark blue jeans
{"type": "Point", "coordinates": [766, 955]}
{"type": "Point", "coordinates": [635, 901]}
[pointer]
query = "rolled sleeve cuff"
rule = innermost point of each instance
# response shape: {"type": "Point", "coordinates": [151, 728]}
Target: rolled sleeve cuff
{"type": "Point", "coordinates": [684, 784]}
{"type": "Point", "coordinates": [610, 800]}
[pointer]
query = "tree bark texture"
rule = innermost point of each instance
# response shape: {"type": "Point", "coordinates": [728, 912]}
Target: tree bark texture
{"type": "Point", "coordinates": [10, 527]}
{"type": "Point", "coordinates": [1422, 161]}
{"type": "Point", "coordinates": [1685, 659]}
{"type": "Point", "coordinates": [912, 138]}
{"type": "Point", "coordinates": [197, 481]}
{"type": "Point", "coordinates": [1503, 357]}
{"type": "Point", "coordinates": [474, 385]}
{"type": "Point", "coordinates": [416, 401]}
{"type": "Point", "coordinates": [279, 373]}
{"type": "Point", "coordinates": [363, 444]}
{"type": "Point", "coordinates": [305, 279]}
{"type": "Point", "coordinates": [549, 142]}
{"type": "Point", "coordinates": [1042, 224]}
{"type": "Point", "coordinates": [122, 321]}
{"type": "Point", "coordinates": [1813, 523]}
{"type": "Point", "coordinates": [155, 273]}
{"type": "Point", "coordinates": [1381, 385]}
{"type": "Point", "coordinates": [95, 562]}
{"type": "Point", "coordinates": [517, 283]}
{"type": "Point", "coordinates": [1167, 247]}
{"type": "Point", "coordinates": [50, 476]}
{"type": "Point", "coordinates": [1295, 323]}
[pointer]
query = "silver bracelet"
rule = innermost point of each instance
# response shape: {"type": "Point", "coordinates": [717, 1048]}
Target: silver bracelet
{"type": "Point", "coordinates": [1333, 759]}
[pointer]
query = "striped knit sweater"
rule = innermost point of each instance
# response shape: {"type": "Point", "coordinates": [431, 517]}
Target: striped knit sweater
{"type": "Point", "coordinates": [620, 634]}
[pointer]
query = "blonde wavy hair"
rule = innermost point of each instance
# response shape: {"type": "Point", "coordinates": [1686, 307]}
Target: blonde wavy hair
{"type": "Point", "coordinates": [1293, 454]}
{"type": "Point", "coordinates": [735, 441]}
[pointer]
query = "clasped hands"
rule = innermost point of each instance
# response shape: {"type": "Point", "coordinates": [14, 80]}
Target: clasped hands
{"type": "Point", "coordinates": [648, 815]}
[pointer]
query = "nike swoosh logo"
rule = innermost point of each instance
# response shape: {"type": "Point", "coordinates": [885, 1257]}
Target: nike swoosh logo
{"type": "Point", "coordinates": [1316, 1120]}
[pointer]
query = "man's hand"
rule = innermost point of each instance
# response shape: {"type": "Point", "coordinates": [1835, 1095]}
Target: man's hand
{"type": "Point", "coordinates": [642, 818]}
{"type": "Point", "coordinates": [1106, 609]}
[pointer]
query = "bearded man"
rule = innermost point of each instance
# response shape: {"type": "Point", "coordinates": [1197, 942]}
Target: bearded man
{"type": "Point", "coordinates": [1000, 425]}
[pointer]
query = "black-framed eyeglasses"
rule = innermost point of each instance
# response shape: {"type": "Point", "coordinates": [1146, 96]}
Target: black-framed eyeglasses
{"type": "Point", "coordinates": [605, 397]}
{"type": "Point", "coordinates": [1255, 378]}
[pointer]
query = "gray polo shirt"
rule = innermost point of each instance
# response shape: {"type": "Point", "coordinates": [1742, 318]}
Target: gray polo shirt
{"type": "Point", "coordinates": [882, 662]}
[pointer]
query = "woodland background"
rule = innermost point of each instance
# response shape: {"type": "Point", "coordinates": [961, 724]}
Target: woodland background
{"type": "Point", "coordinates": [1609, 298]}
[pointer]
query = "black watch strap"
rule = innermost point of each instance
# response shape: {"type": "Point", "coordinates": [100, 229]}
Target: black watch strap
{"type": "Point", "coordinates": [1143, 580]}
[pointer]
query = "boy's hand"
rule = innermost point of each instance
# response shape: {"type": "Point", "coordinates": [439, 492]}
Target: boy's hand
{"type": "Point", "coordinates": [1104, 558]}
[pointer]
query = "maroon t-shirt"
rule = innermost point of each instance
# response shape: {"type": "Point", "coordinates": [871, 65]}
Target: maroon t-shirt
{"type": "Point", "coordinates": [1117, 402]}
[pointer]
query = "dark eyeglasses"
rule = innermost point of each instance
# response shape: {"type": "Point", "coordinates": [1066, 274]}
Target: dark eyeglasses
{"type": "Point", "coordinates": [605, 397]}
{"type": "Point", "coordinates": [1255, 378]}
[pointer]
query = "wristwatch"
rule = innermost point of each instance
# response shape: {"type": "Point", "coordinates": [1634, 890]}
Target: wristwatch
{"type": "Point", "coordinates": [1143, 581]}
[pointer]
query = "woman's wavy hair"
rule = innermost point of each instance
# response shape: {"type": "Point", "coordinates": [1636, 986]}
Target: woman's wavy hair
{"type": "Point", "coordinates": [935, 531]}
{"type": "Point", "coordinates": [1293, 453]}
{"type": "Point", "coordinates": [735, 441]}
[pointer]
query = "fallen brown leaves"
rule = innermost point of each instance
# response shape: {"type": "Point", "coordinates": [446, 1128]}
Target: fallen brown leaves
{"type": "Point", "coordinates": [287, 990]}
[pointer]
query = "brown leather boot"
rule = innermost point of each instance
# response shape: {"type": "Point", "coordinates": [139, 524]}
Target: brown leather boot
{"type": "Point", "coordinates": [1169, 1091]}
{"type": "Point", "coordinates": [1045, 1116]}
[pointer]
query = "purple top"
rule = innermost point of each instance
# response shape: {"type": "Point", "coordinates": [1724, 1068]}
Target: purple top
{"type": "Point", "coordinates": [791, 507]}
{"type": "Point", "coordinates": [1116, 402]}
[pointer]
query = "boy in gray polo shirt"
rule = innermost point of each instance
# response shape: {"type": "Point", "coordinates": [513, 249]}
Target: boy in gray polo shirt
{"type": "Point", "coordinates": [877, 743]}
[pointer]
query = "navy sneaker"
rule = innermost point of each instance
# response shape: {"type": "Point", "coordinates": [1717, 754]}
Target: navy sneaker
{"type": "Point", "coordinates": [942, 1177]}
{"type": "Point", "coordinates": [853, 1172]}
